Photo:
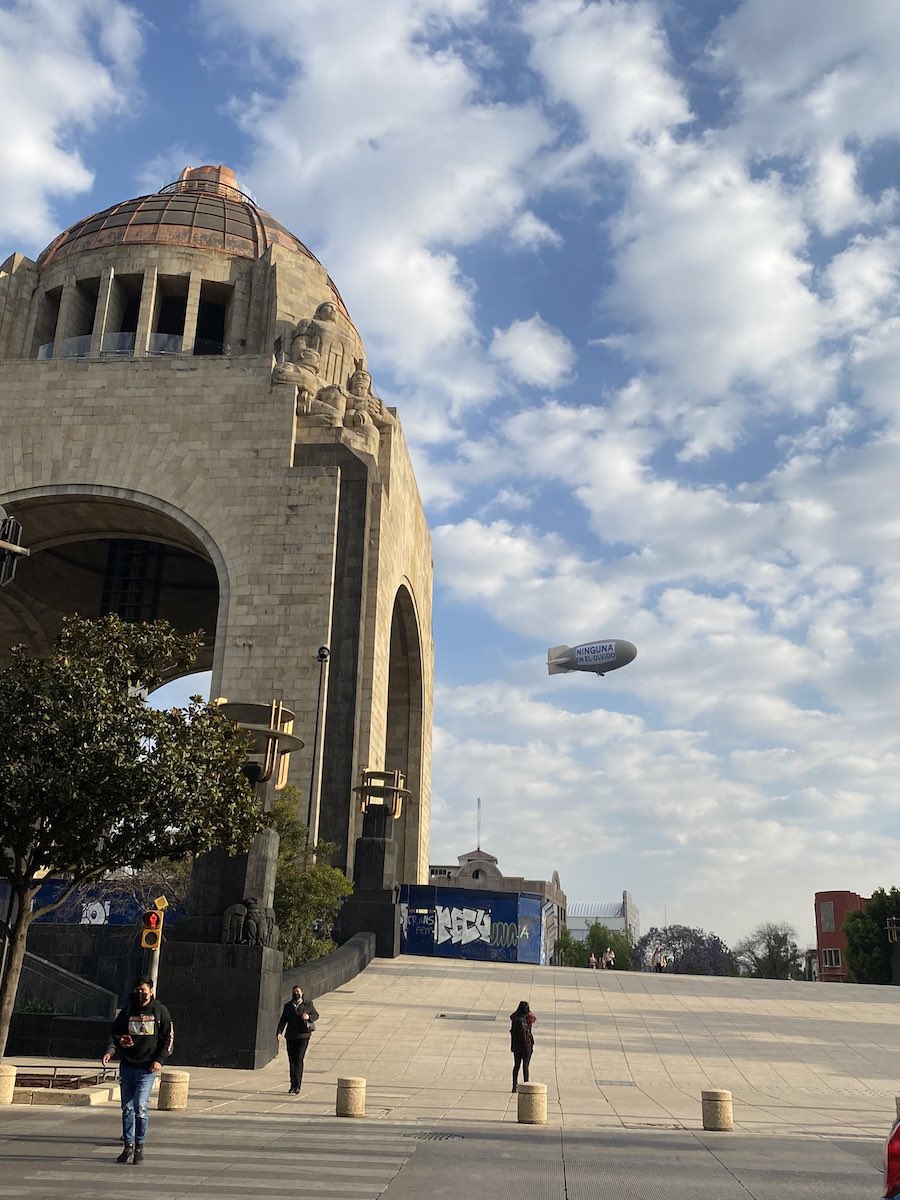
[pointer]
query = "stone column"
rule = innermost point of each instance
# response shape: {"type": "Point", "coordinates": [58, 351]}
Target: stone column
{"type": "Point", "coordinates": [102, 311]}
{"type": "Point", "coordinates": [64, 320]}
{"type": "Point", "coordinates": [191, 311]}
{"type": "Point", "coordinates": [145, 313]}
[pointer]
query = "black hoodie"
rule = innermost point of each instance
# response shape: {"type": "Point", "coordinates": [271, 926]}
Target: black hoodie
{"type": "Point", "coordinates": [151, 1028]}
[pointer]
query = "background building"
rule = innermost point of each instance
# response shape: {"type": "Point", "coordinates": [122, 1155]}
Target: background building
{"type": "Point", "coordinates": [831, 943]}
{"type": "Point", "coordinates": [620, 915]}
{"type": "Point", "coordinates": [472, 910]}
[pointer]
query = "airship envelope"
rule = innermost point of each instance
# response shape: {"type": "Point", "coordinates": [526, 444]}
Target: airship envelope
{"type": "Point", "coordinates": [600, 656]}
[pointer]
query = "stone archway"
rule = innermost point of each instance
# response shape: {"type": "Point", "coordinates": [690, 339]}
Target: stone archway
{"type": "Point", "coordinates": [95, 551]}
{"type": "Point", "coordinates": [404, 736]}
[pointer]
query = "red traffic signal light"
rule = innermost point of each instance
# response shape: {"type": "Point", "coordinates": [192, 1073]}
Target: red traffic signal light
{"type": "Point", "coordinates": [151, 935]}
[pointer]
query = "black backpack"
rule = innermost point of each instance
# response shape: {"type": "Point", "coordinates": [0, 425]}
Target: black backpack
{"type": "Point", "coordinates": [519, 1030]}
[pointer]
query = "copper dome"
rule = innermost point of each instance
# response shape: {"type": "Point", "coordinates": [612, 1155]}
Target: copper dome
{"type": "Point", "coordinates": [204, 209]}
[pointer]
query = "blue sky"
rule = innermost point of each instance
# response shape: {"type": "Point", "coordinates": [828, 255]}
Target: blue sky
{"type": "Point", "coordinates": [628, 272]}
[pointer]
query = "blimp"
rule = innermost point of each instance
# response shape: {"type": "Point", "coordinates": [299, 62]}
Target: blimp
{"type": "Point", "coordinates": [599, 657]}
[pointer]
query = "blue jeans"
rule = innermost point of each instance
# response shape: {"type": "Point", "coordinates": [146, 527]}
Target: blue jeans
{"type": "Point", "coordinates": [135, 1084]}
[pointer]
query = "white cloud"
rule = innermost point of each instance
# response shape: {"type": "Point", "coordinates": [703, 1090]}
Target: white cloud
{"type": "Point", "coordinates": [530, 232]}
{"type": "Point", "coordinates": [534, 352]}
{"type": "Point", "coordinates": [611, 62]}
{"type": "Point", "coordinates": [63, 68]}
{"type": "Point", "coordinates": [394, 161]}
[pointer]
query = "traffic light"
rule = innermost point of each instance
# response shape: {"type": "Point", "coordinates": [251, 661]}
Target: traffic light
{"type": "Point", "coordinates": [151, 934]}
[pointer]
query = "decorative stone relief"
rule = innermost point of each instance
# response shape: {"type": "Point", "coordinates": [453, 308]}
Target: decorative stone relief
{"type": "Point", "coordinates": [249, 924]}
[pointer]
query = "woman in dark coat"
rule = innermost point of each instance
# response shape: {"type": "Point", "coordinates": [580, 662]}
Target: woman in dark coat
{"type": "Point", "coordinates": [521, 1023]}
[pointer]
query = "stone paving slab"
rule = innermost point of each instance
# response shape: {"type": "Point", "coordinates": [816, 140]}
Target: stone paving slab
{"type": "Point", "coordinates": [798, 1058]}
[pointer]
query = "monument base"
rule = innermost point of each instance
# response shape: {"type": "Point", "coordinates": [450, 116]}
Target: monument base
{"type": "Point", "coordinates": [225, 1001]}
{"type": "Point", "coordinates": [377, 912]}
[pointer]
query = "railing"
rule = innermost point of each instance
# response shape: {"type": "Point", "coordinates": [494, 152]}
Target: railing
{"type": "Point", "coordinates": [75, 347]}
{"type": "Point", "coordinates": [117, 343]}
{"type": "Point", "coordinates": [166, 343]}
{"type": "Point", "coordinates": [204, 346]}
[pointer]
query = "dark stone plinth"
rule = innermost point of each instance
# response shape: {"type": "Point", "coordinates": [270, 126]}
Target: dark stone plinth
{"type": "Point", "coordinates": [224, 1001]}
{"type": "Point", "coordinates": [375, 911]}
{"type": "Point", "coordinates": [375, 857]}
{"type": "Point", "coordinates": [218, 881]}
{"type": "Point", "coordinates": [35, 1035]}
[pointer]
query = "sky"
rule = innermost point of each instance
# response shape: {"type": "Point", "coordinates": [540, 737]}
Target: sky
{"type": "Point", "coordinates": [628, 272]}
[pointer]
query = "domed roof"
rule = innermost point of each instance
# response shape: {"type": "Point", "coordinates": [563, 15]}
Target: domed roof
{"type": "Point", "coordinates": [204, 210]}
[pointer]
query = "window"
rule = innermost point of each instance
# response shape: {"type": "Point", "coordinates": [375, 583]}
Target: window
{"type": "Point", "coordinates": [826, 915]}
{"type": "Point", "coordinates": [831, 958]}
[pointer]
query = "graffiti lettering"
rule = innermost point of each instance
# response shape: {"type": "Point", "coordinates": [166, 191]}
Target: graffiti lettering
{"type": "Point", "coordinates": [504, 933]}
{"type": "Point", "coordinates": [460, 926]}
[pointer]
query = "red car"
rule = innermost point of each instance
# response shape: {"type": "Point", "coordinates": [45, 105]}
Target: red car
{"type": "Point", "coordinates": [892, 1161]}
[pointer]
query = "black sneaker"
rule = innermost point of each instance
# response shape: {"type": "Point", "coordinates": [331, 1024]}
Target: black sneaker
{"type": "Point", "coordinates": [126, 1154]}
{"type": "Point", "coordinates": [138, 1155]}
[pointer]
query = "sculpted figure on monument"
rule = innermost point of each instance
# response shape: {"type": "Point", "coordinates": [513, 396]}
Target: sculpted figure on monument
{"type": "Point", "coordinates": [363, 406]}
{"type": "Point", "coordinates": [329, 406]}
{"type": "Point", "coordinates": [249, 924]}
{"type": "Point", "coordinates": [316, 332]}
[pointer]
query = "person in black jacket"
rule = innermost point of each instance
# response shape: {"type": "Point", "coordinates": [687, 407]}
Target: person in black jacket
{"type": "Point", "coordinates": [143, 1035]}
{"type": "Point", "coordinates": [521, 1040]}
{"type": "Point", "coordinates": [296, 1024]}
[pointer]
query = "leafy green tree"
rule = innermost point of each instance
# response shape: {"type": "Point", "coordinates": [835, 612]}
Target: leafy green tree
{"type": "Point", "coordinates": [868, 950]}
{"type": "Point", "coordinates": [569, 951]}
{"type": "Point", "coordinates": [687, 951]}
{"type": "Point", "coordinates": [308, 892]}
{"type": "Point", "coordinates": [599, 937]}
{"type": "Point", "coordinates": [771, 952]}
{"type": "Point", "coordinates": [93, 780]}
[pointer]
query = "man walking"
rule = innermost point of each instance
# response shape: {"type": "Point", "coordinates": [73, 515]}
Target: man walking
{"type": "Point", "coordinates": [297, 1022]}
{"type": "Point", "coordinates": [143, 1035]}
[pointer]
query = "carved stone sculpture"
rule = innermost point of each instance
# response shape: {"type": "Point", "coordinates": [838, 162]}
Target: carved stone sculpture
{"type": "Point", "coordinates": [249, 924]}
{"type": "Point", "coordinates": [316, 332]}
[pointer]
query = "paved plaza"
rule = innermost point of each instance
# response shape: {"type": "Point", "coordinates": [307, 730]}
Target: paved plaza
{"type": "Point", "coordinates": [813, 1069]}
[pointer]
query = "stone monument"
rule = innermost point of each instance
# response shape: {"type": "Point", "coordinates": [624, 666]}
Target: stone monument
{"type": "Point", "coordinates": [191, 432]}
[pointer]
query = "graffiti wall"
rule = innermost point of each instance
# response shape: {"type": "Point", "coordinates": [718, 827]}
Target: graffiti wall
{"type": "Point", "coordinates": [462, 923]}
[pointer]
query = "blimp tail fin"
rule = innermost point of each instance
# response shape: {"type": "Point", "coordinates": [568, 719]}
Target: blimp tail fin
{"type": "Point", "coordinates": [553, 655]}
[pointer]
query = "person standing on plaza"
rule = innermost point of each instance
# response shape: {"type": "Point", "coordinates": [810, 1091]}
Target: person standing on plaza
{"type": "Point", "coordinates": [296, 1024]}
{"type": "Point", "coordinates": [521, 1041]}
{"type": "Point", "coordinates": [143, 1035]}
{"type": "Point", "coordinates": [592, 961]}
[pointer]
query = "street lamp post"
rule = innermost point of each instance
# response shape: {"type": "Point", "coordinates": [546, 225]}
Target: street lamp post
{"type": "Point", "coordinates": [315, 772]}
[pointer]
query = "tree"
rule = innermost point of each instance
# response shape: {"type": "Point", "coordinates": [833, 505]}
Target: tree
{"type": "Point", "coordinates": [770, 952]}
{"type": "Point", "coordinates": [599, 937]}
{"type": "Point", "coordinates": [687, 950]}
{"type": "Point", "coordinates": [868, 949]}
{"type": "Point", "coordinates": [92, 780]}
{"type": "Point", "coordinates": [569, 951]}
{"type": "Point", "coordinates": [308, 892]}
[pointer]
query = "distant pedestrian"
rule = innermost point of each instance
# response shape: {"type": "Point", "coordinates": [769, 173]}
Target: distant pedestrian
{"type": "Point", "coordinates": [296, 1023]}
{"type": "Point", "coordinates": [611, 960]}
{"type": "Point", "coordinates": [521, 1023]}
{"type": "Point", "coordinates": [143, 1035]}
{"type": "Point", "coordinates": [592, 961]}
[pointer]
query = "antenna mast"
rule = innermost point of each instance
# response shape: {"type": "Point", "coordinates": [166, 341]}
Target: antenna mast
{"type": "Point", "coordinates": [478, 824]}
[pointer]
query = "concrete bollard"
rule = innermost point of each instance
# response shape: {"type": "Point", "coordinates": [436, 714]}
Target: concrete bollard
{"type": "Point", "coordinates": [717, 1111]}
{"type": "Point", "coordinates": [173, 1090]}
{"type": "Point", "coordinates": [532, 1103]}
{"type": "Point", "coordinates": [351, 1098]}
{"type": "Point", "coordinates": [7, 1083]}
